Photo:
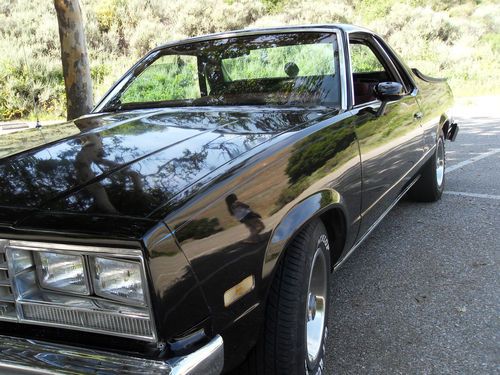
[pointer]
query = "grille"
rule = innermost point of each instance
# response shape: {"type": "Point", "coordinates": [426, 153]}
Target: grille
{"type": "Point", "coordinates": [7, 305]}
{"type": "Point", "coordinates": [85, 319]}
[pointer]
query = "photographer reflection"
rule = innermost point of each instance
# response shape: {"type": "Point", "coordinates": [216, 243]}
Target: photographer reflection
{"type": "Point", "coordinates": [245, 215]}
{"type": "Point", "coordinates": [92, 152]}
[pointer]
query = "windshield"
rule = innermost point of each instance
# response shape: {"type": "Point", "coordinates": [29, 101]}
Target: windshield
{"type": "Point", "coordinates": [294, 69]}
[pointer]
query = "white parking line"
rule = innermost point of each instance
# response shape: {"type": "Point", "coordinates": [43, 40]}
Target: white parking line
{"type": "Point", "coordinates": [473, 195]}
{"type": "Point", "coordinates": [472, 160]}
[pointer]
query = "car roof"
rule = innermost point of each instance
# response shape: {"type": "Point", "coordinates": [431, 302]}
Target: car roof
{"type": "Point", "coordinates": [347, 28]}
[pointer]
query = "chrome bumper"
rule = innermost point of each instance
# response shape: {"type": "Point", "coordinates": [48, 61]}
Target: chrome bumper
{"type": "Point", "coordinates": [24, 356]}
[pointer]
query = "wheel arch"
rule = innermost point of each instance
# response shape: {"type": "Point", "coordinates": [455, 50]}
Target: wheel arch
{"type": "Point", "coordinates": [444, 124]}
{"type": "Point", "coordinates": [335, 223]}
{"type": "Point", "coordinates": [326, 205]}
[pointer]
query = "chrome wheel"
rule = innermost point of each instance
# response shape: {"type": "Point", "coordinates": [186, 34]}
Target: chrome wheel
{"type": "Point", "coordinates": [440, 162]}
{"type": "Point", "coordinates": [316, 306]}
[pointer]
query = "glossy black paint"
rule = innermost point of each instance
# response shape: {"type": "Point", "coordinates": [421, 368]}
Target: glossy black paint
{"type": "Point", "coordinates": [161, 180]}
{"type": "Point", "coordinates": [389, 91]}
{"type": "Point", "coordinates": [390, 146]}
{"type": "Point", "coordinates": [137, 166]}
{"type": "Point", "coordinates": [227, 251]}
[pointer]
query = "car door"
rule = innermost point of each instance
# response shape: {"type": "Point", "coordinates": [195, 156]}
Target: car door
{"type": "Point", "coordinates": [390, 141]}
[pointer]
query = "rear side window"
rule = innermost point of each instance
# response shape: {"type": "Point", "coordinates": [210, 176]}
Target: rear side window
{"type": "Point", "coordinates": [279, 62]}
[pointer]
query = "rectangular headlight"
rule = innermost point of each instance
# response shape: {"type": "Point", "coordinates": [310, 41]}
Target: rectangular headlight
{"type": "Point", "coordinates": [87, 288]}
{"type": "Point", "coordinates": [21, 260]}
{"type": "Point", "coordinates": [118, 279]}
{"type": "Point", "coordinates": [62, 272]}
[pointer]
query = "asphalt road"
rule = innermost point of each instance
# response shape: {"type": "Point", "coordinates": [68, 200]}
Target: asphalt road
{"type": "Point", "coordinates": [422, 294]}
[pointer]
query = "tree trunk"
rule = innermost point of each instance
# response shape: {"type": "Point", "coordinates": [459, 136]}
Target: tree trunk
{"type": "Point", "coordinates": [75, 61]}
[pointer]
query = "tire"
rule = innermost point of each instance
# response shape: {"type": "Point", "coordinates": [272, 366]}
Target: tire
{"type": "Point", "coordinates": [430, 186]}
{"type": "Point", "coordinates": [293, 314]}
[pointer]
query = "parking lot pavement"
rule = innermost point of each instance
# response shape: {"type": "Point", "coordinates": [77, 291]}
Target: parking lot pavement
{"type": "Point", "coordinates": [422, 294]}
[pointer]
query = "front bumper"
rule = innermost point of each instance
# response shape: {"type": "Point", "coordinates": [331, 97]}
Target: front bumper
{"type": "Point", "coordinates": [24, 356]}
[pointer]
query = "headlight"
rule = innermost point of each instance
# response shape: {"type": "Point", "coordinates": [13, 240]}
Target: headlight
{"type": "Point", "coordinates": [21, 260]}
{"type": "Point", "coordinates": [96, 289]}
{"type": "Point", "coordinates": [117, 279]}
{"type": "Point", "coordinates": [62, 272]}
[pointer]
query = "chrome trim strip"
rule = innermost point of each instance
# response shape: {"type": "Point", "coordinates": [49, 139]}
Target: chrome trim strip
{"type": "Point", "coordinates": [367, 104]}
{"type": "Point", "coordinates": [417, 164]}
{"type": "Point", "coordinates": [24, 356]}
{"type": "Point", "coordinates": [238, 33]}
{"type": "Point", "coordinates": [343, 73]}
{"type": "Point", "coordinates": [351, 79]}
{"type": "Point", "coordinates": [388, 58]}
{"type": "Point", "coordinates": [374, 225]}
{"type": "Point", "coordinates": [33, 245]}
{"type": "Point", "coordinates": [398, 198]}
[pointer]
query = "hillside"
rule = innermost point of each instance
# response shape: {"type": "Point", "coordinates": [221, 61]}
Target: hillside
{"type": "Point", "coordinates": [458, 39]}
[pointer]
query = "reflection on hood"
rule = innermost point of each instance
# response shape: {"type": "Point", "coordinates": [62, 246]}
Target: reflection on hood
{"type": "Point", "coordinates": [131, 163]}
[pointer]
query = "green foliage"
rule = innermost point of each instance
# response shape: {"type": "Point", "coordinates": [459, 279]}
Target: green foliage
{"type": "Point", "coordinates": [313, 159]}
{"type": "Point", "coordinates": [169, 78]}
{"type": "Point", "coordinates": [492, 41]}
{"type": "Point", "coordinates": [364, 60]}
{"type": "Point", "coordinates": [292, 192]}
{"type": "Point", "coordinates": [105, 13]}
{"type": "Point", "coordinates": [311, 59]}
{"type": "Point", "coordinates": [315, 151]}
{"type": "Point", "coordinates": [198, 229]}
{"type": "Point", "coordinates": [373, 9]}
{"type": "Point", "coordinates": [458, 39]}
{"type": "Point", "coordinates": [274, 6]}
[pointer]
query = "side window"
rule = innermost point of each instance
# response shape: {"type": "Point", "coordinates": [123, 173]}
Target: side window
{"type": "Point", "coordinates": [170, 77]}
{"type": "Point", "coordinates": [399, 65]}
{"type": "Point", "coordinates": [364, 60]}
{"type": "Point", "coordinates": [367, 71]}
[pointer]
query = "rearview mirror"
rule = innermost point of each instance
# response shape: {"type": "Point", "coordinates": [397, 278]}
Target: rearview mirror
{"type": "Point", "coordinates": [389, 91]}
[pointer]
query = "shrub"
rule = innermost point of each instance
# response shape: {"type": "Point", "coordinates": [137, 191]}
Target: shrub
{"type": "Point", "coordinates": [458, 39]}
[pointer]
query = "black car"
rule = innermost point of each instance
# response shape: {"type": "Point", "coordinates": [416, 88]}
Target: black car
{"type": "Point", "coordinates": [191, 223]}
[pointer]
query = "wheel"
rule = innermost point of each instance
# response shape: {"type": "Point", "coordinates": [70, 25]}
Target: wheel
{"type": "Point", "coordinates": [430, 186]}
{"type": "Point", "coordinates": [296, 328]}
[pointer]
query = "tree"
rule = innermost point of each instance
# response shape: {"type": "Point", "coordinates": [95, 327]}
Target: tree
{"type": "Point", "coordinates": [75, 61]}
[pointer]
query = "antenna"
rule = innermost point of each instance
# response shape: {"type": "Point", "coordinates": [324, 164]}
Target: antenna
{"type": "Point", "coordinates": [36, 97]}
{"type": "Point", "coordinates": [36, 100]}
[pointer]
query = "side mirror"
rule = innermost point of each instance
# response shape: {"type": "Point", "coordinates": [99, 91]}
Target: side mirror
{"type": "Point", "coordinates": [389, 91]}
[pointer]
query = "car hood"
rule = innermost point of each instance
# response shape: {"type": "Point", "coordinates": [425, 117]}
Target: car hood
{"type": "Point", "coordinates": [130, 164]}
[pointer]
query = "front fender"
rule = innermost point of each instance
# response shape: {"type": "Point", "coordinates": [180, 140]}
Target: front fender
{"type": "Point", "coordinates": [294, 220]}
